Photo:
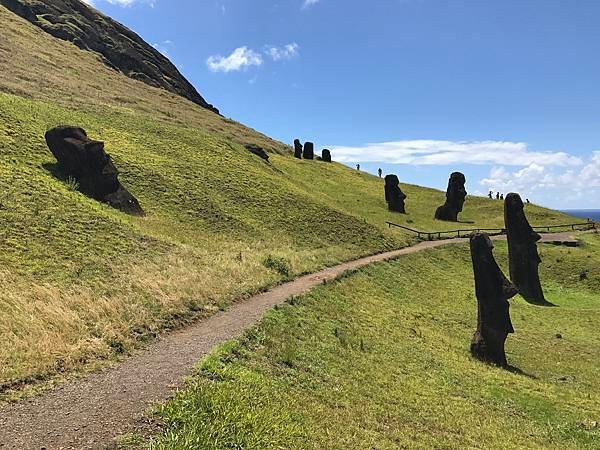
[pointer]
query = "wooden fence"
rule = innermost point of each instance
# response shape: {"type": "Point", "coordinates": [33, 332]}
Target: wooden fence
{"type": "Point", "coordinates": [431, 235]}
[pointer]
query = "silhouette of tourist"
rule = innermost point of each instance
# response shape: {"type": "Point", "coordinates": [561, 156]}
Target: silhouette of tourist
{"type": "Point", "coordinates": [497, 195]}
{"type": "Point", "coordinates": [358, 167]}
{"type": "Point", "coordinates": [491, 195]}
{"type": "Point", "coordinates": [380, 172]}
{"type": "Point", "coordinates": [501, 196]}
{"type": "Point", "coordinates": [527, 200]}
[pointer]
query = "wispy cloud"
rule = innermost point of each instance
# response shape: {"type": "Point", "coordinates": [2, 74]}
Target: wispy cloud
{"type": "Point", "coordinates": [309, 3]}
{"type": "Point", "coordinates": [240, 58]}
{"type": "Point", "coordinates": [280, 53]}
{"type": "Point", "coordinates": [163, 47]}
{"type": "Point", "coordinates": [121, 2]}
{"type": "Point", "coordinates": [435, 152]}
{"type": "Point", "coordinates": [244, 57]}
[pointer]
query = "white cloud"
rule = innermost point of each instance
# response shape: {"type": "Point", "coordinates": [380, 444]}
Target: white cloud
{"type": "Point", "coordinates": [309, 3]}
{"type": "Point", "coordinates": [163, 47]}
{"type": "Point", "coordinates": [536, 176]}
{"type": "Point", "coordinates": [240, 58]}
{"type": "Point", "coordinates": [121, 2]}
{"type": "Point", "coordinates": [280, 53]}
{"type": "Point", "coordinates": [434, 152]}
{"type": "Point", "coordinates": [549, 185]}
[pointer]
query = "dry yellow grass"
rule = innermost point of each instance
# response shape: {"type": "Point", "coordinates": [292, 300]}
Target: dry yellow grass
{"type": "Point", "coordinates": [82, 283]}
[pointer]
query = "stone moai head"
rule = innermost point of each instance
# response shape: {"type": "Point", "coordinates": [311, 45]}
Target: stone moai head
{"type": "Point", "coordinates": [393, 194]}
{"type": "Point", "coordinates": [456, 192]}
{"type": "Point", "coordinates": [309, 150]}
{"type": "Point", "coordinates": [297, 149]}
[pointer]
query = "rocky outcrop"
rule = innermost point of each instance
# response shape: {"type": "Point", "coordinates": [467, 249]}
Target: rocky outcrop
{"type": "Point", "coordinates": [523, 257]}
{"type": "Point", "coordinates": [86, 161]}
{"type": "Point", "coordinates": [493, 291]}
{"type": "Point", "coordinates": [455, 199]}
{"type": "Point", "coordinates": [393, 194]}
{"type": "Point", "coordinates": [258, 151]}
{"type": "Point", "coordinates": [297, 149]}
{"type": "Point", "coordinates": [309, 150]}
{"type": "Point", "coordinates": [119, 47]}
{"type": "Point", "coordinates": [326, 155]}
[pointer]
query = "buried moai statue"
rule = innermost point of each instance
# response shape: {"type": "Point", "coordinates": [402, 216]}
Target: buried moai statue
{"type": "Point", "coordinates": [523, 257]}
{"type": "Point", "coordinates": [309, 150]}
{"type": "Point", "coordinates": [258, 151]}
{"type": "Point", "coordinates": [455, 199]}
{"type": "Point", "coordinates": [394, 195]}
{"type": "Point", "coordinates": [86, 161]}
{"type": "Point", "coordinates": [326, 155]}
{"type": "Point", "coordinates": [297, 149]}
{"type": "Point", "coordinates": [493, 290]}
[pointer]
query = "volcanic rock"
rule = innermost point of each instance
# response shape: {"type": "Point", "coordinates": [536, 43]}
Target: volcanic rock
{"type": "Point", "coordinates": [493, 290]}
{"type": "Point", "coordinates": [119, 47]}
{"type": "Point", "coordinates": [86, 161]}
{"type": "Point", "coordinates": [455, 199]}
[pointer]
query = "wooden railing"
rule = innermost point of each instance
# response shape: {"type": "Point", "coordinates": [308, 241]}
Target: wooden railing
{"type": "Point", "coordinates": [448, 234]}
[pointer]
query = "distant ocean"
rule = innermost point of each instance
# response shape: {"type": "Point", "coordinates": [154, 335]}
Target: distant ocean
{"type": "Point", "coordinates": [593, 214]}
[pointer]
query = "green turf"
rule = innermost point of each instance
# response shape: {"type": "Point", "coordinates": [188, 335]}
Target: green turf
{"type": "Point", "coordinates": [380, 360]}
{"type": "Point", "coordinates": [83, 283]}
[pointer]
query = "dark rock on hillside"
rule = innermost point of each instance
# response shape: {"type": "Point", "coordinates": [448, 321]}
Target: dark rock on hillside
{"type": "Point", "coordinates": [523, 257]}
{"type": "Point", "coordinates": [394, 195]}
{"type": "Point", "coordinates": [309, 150]}
{"type": "Point", "coordinates": [297, 149]}
{"type": "Point", "coordinates": [87, 162]}
{"type": "Point", "coordinates": [119, 47]}
{"type": "Point", "coordinates": [455, 199]}
{"type": "Point", "coordinates": [326, 155]}
{"type": "Point", "coordinates": [258, 151]}
{"type": "Point", "coordinates": [493, 291]}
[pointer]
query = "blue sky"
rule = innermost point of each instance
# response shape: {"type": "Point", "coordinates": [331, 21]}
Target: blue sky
{"type": "Point", "coordinates": [506, 91]}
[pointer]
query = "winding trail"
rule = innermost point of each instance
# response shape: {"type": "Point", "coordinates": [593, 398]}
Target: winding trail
{"type": "Point", "coordinates": [91, 412]}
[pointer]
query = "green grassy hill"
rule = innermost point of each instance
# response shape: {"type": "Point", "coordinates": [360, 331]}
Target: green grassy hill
{"type": "Point", "coordinates": [380, 359]}
{"type": "Point", "coordinates": [83, 283]}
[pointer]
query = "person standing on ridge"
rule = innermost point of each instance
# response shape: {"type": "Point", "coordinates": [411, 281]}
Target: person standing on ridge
{"type": "Point", "coordinates": [358, 167]}
{"type": "Point", "coordinates": [380, 172]}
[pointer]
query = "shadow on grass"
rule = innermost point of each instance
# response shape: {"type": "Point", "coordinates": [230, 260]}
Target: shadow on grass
{"type": "Point", "coordinates": [517, 371]}
{"type": "Point", "coordinates": [55, 170]}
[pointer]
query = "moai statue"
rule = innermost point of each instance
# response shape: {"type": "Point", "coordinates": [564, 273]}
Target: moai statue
{"type": "Point", "coordinates": [326, 155]}
{"type": "Point", "coordinates": [493, 290]}
{"type": "Point", "coordinates": [455, 199]}
{"type": "Point", "coordinates": [309, 151]}
{"type": "Point", "coordinates": [394, 195]}
{"type": "Point", "coordinates": [297, 149]}
{"type": "Point", "coordinates": [86, 161]}
{"type": "Point", "coordinates": [523, 256]}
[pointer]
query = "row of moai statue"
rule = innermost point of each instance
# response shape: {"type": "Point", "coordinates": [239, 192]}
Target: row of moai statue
{"type": "Point", "coordinates": [493, 289]}
{"type": "Point", "coordinates": [307, 151]}
{"type": "Point", "coordinates": [455, 197]}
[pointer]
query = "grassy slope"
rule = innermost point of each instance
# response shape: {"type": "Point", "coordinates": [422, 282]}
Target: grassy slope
{"type": "Point", "coordinates": [82, 282]}
{"type": "Point", "coordinates": [380, 360]}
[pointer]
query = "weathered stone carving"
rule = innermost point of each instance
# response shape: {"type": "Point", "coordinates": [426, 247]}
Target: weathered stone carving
{"type": "Point", "coordinates": [455, 199]}
{"type": "Point", "coordinates": [523, 256]}
{"type": "Point", "coordinates": [258, 151]}
{"type": "Point", "coordinates": [87, 162]}
{"type": "Point", "coordinates": [297, 149]}
{"type": "Point", "coordinates": [326, 155]}
{"type": "Point", "coordinates": [394, 195]}
{"type": "Point", "coordinates": [309, 151]}
{"type": "Point", "coordinates": [493, 290]}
